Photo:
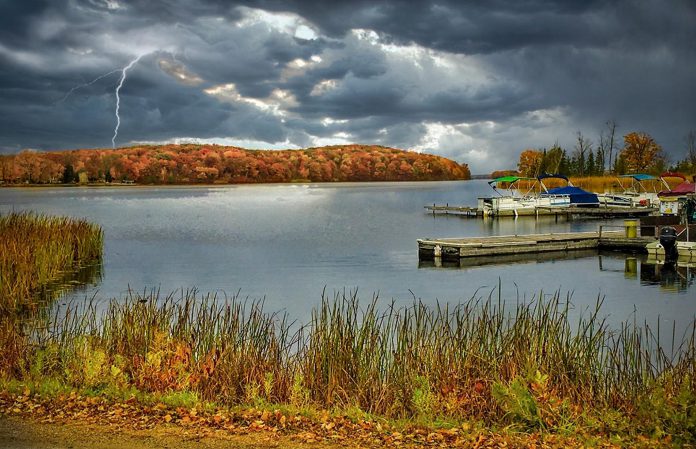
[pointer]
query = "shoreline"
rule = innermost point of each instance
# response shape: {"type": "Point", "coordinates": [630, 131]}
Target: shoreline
{"type": "Point", "coordinates": [93, 422]}
{"type": "Point", "coordinates": [184, 185]}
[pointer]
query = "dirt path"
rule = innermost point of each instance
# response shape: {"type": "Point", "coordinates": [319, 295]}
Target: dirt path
{"type": "Point", "coordinates": [16, 433]}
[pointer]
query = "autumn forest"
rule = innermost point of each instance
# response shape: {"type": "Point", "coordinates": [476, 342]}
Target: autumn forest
{"type": "Point", "coordinates": [208, 164]}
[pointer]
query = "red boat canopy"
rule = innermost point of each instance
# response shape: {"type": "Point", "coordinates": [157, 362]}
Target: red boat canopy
{"type": "Point", "coordinates": [684, 188]}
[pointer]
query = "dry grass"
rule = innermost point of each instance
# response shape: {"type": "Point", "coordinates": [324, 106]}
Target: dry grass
{"type": "Point", "coordinates": [39, 250]}
{"type": "Point", "coordinates": [600, 184]}
{"type": "Point", "coordinates": [463, 361]}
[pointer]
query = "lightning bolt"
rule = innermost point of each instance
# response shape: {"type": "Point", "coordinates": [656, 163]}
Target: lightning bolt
{"type": "Point", "coordinates": [124, 71]}
{"type": "Point", "coordinates": [70, 92]}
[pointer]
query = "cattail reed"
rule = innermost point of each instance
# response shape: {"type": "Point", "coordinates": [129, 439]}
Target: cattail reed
{"type": "Point", "coordinates": [419, 360]}
{"type": "Point", "coordinates": [38, 250]}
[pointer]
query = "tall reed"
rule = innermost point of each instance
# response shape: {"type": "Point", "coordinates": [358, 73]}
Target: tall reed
{"type": "Point", "coordinates": [599, 184]}
{"type": "Point", "coordinates": [37, 250]}
{"type": "Point", "coordinates": [420, 360]}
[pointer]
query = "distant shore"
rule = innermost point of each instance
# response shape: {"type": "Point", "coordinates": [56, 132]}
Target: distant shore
{"type": "Point", "coordinates": [218, 184]}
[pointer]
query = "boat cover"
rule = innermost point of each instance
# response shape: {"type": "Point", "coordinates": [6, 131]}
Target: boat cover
{"type": "Point", "coordinates": [577, 195]}
{"type": "Point", "coordinates": [552, 175]}
{"type": "Point", "coordinates": [669, 174]}
{"type": "Point", "coordinates": [684, 188]}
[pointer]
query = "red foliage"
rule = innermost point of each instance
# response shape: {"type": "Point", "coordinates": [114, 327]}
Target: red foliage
{"type": "Point", "coordinates": [182, 164]}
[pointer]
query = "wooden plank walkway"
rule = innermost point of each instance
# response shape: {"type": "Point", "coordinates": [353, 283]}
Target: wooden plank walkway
{"type": "Point", "coordinates": [569, 211]}
{"type": "Point", "coordinates": [466, 211]}
{"type": "Point", "coordinates": [450, 248]}
{"type": "Point", "coordinates": [602, 211]}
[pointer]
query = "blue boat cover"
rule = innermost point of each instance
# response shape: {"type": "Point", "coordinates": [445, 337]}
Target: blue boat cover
{"type": "Point", "coordinates": [577, 195]}
{"type": "Point", "coordinates": [552, 175]}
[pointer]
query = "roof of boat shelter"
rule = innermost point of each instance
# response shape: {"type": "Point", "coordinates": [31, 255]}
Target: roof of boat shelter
{"type": "Point", "coordinates": [684, 188]}
{"type": "Point", "coordinates": [639, 176]}
{"type": "Point", "coordinates": [508, 179]}
{"type": "Point", "coordinates": [552, 175]}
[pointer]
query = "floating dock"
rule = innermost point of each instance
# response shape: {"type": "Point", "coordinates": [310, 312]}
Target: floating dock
{"type": "Point", "coordinates": [601, 212]}
{"type": "Point", "coordinates": [466, 211]}
{"type": "Point", "coordinates": [456, 248]}
{"type": "Point", "coordinates": [567, 211]}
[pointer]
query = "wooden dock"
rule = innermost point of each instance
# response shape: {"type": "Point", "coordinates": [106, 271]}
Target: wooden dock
{"type": "Point", "coordinates": [567, 211]}
{"type": "Point", "coordinates": [456, 248]}
{"type": "Point", "coordinates": [600, 212]}
{"type": "Point", "coordinates": [465, 211]}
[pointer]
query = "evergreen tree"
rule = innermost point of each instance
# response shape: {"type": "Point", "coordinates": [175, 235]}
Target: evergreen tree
{"type": "Point", "coordinates": [543, 166]}
{"type": "Point", "coordinates": [590, 164]}
{"type": "Point", "coordinates": [620, 165]}
{"type": "Point", "coordinates": [68, 174]}
{"type": "Point", "coordinates": [564, 164]}
{"type": "Point", "coordinates": [599, 162]}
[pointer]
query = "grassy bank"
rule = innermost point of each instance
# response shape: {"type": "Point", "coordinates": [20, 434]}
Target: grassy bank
{"type": "Point", "coordinates": [524, 366]}
{"type": "Point", "coordinates": [498, 362]}
{"type": "Point", "coordinates": [38, 251]}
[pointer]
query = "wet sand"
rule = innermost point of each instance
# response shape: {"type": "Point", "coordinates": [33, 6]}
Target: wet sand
{"type": "Point", "coordinates": [16, 433]}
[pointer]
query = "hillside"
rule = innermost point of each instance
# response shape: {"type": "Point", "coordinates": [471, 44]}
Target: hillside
{"type": "Point", "coordinates": [191, 164]}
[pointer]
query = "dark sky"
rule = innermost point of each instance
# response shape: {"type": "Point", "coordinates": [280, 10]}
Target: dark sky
{"type": "Point", "coordinates": [476, 81]}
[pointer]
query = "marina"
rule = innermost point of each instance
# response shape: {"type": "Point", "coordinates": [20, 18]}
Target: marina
{"type": "Point", "coordinates": [517, 196]}
{"type": "Point", "coordinates": [345, 235]}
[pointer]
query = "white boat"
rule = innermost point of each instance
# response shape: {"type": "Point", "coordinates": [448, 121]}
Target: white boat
{"type": "Point", "coordinates": [578, 197]}
{"type": "Point", "coordinates": [642, 192]}
{"type": "Point", "coordinates": [673, 200]}
{"type": "Point", "coordinates": [511, 202]}
{"type": "Point", "coordinates": [686, 251]}
{"type": "Point", "coordinates": [686, 248]}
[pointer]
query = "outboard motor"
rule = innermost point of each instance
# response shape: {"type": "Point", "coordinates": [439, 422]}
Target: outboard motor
{"type": "Point", "coordinates": [668, 240]}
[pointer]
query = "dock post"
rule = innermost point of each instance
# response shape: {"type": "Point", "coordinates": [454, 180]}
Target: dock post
{"type": "Point", "coordinates": [631, 228]}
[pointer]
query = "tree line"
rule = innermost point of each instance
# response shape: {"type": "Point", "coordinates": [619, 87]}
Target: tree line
{"type": "Point", "coordinates": [639, 153]}
{"type": "Point", "coordinates": [189, 164]}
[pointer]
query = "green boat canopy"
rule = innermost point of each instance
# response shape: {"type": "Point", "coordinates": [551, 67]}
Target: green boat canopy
{"type": "Point", "coordinates": [509, 179]}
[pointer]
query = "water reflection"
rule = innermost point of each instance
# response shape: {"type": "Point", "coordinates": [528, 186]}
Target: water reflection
{"type": "Point", "coordinates": [673, 277]}
{"type": "Point", "coordinates": [676, 277]}
{"type": "Point", "coordinates": [73, 282]}
{"type": "Point", "coordinates": [507, 259]}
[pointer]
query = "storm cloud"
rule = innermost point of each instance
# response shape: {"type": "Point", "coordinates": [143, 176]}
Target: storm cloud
{"type": "Point", "coordinates": [474, 81]}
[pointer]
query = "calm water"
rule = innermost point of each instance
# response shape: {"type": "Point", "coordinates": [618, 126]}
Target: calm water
{"type": "Point", "coordinates": [288, 243]}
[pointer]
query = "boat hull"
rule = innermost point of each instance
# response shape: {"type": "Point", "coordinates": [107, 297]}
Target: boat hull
{"type": "Point", "coordinates": [686, 251]}
{"type": "Point", "coordinates": [628, 200]}
{"type": "Point", "coordinates": [519, 206]}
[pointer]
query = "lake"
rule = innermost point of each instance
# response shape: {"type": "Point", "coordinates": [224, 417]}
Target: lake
{"type": "Point", "coordinates": [289, 243]}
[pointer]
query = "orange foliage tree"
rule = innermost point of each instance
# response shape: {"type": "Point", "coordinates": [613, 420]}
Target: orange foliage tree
{"type": "Point", "coordinates": [180, 164]}
{"type": "Point", "coordinates": [641, 153]}
{"type": "Point", "coordinates": [500, 173]}
{"type": "Point", "coordinates": [530, 162]}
